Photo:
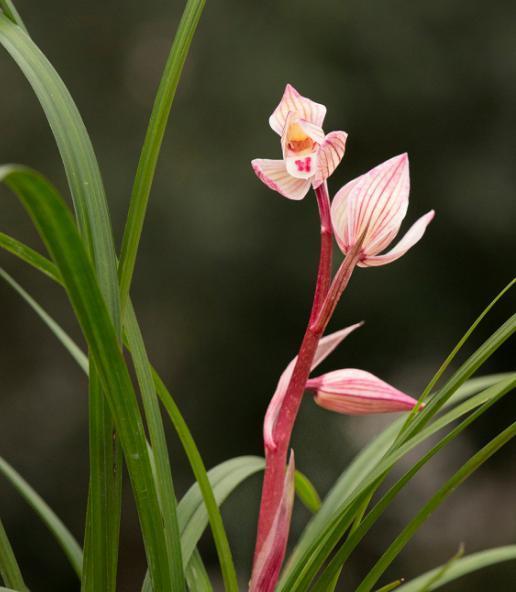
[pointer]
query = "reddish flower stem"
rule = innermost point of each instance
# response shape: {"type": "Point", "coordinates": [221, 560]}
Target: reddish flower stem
{"type": "Point", "coordinates": [276, 458]}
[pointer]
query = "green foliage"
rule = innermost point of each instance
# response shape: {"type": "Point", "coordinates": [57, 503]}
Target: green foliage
{"type": "Point", "coordinates": [84, 262]}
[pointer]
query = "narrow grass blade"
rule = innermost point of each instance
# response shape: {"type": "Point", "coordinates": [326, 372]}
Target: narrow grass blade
{"type": "Point", "coordinates": [9, 568]}
{"type": "Point", "coordinates": [92, 213]}
{"type": "Point", "coordinates": [199, 471]}
{"type": "Point", "coordinates": [77, 153]}
{"type": "Point", "coordinates": [389, 587]}
{"type": "Point", "coordinates": [11, 13]}
{"type": "Point", "coordinates": [197, 578]}
{"type": "Point", "coordinates": [307, 493]}
{"type": "Point", "coordinates": [321, 545]}
{"type": "Point", "coordinates": [55, 226]}
{"type": "Point", "coordinates": [360, 467]}
{"type": "Point", "coordinates": [153, 140]}
{"type": "Point", "coordinates": [475, 462]}
{"type": "Point", "coordinates": [63, 337]}
{"type": "Point", "coordinates": [483, 401]}
{"type": "Point", "coordinates": [162, 469]}
{"type": "Point", "coordinates": [449, 359]}
{"type": "Point", "coordinates": [434, 579]}
{"type": "Point", "coordinates": [62, 535]}
{"type": "Point", "coordinates": [179, 423]}
{"type": "Point", "coordinates": [224, 478]}
{"type": "Point", "coordinates": [461, 567]}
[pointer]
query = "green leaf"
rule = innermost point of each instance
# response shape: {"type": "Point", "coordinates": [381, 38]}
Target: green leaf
{"type": "Point", "coordinates": [55, 225]}
{"type": "Point", "coordinates": [30, 256]}
{"type": "Point", "coordinates": [318, 548]}
{"type": "Point", "coordinates": [201, 476]}
{"type": "Point", "coordinates": [474, 463]}
{"type": "Point", "coordinates": [9, 568]}
{"type": "Point", "coordinates": [197, 577]}
{"type": "Point", "coordinates": [180, 425]}
{"type": "Point", "coordinates": [442, 572]}
{"type": "Point", "coordinates": [391, 586]}
{"type": "Point", "coordinates": [307, 492]}
{"type": "Point", "coordinates": [87, 190]}
{"type": "Point", "coordinates": [224, 478]}
{"type": "Point", "coordinates": [162, 469]}
{"type": "Point", "coordinates": [483, 401]}
{"type": "Point", "coordinates": [10, 12]}
{"type": "Point", "coordinates": [153, 140]}
{"type": "Point", "coordinates": [357, 471]}
{"type": "Point", "coordinates": [72, 348]}
{"type": "Point", "coordinates": [63, 536]}
{"type": "Point", "coordinates": [76, 151]}
{"type": "Point", "coordinates": [461, 567]}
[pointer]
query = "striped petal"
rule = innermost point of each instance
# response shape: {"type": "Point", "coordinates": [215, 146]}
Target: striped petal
{"type": "Point", "coordinates": [302, 107]}
{"type": "Point", "coordinates": [329, 155]}
{"type": "Point", "coordinates": [374, 205]}
{"type": "Point", "coordinates": [356, 392]}
{"type": "Point", "coordinates": [324, 349]}
{"type": "Point", "coordinates": [412, 236]}
{"type": "Point", "coordinates": [274, 174]}
{"type": "Point", "coordinates": [270, 558]}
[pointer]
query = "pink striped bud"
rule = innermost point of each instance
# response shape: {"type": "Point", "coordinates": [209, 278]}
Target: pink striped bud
{"type": "Point", "coordinates": [356, 392]}
{"type": "Point", "coordinates": [371, 208]}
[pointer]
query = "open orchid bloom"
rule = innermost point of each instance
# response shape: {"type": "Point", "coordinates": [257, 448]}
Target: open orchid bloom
{"type": "Point", "coordinates": [309, 156]}
{"type": "Point", "coordinates": [356, 392]}
{"type": "Point", "coordinates": [324, 349]}
{"type": "Point", "coordinates": [268, 563]}
{"type": "Point", "coordinates": [371, 208]}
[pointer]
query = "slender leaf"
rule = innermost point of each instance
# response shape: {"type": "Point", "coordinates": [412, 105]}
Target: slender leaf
{"type": "Point", "coordinates": [162, 469]}
{"type": "Point", "coordinates": [189, 445]}
{"type": "Point", "coordinates": [63, 536]}
{"type": "Point", "coordinates": [90, 204]}
{"type": "Point", "coordinates": [62, 336]}
{"type": "Point", "coordinates": [9, 568]}
{"type": "Point", "coordinates": [56, 227]}
{"type": "Point", "coordinates": [389, 587]}
{"type": "Point", "coordinates": [334, 529]}
{"type": "Point", "coordinates": [442, 571]}
{"type": "Point", "coordinates": [359, 468]}
{"type": "Point", "coordinates": [29, 255]}
{"type": "Point", "coordinates": [475, 462]}
{"type": "Point", "coordinates": [197, 577]}
{"type": "Point", "coordinates": [224, 478]}
{"type": "Point", "coordinates": [462, 567]}
{"type": "Point", "coordinates": [483, 401]}
{"type": "Point", "coordinates": [307, 492]}
{"type": "Point", "coordinates": [10, 12]}
{"type": "Point", "coordinates": [153, 140]}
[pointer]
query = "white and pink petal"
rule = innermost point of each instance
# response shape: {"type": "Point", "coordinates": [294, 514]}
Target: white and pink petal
{"type": "Point", "coordinates": [412, 236]}
{"type": "Point", "coordinates": [330, 153]}
{"type": "Point", "coordinates": [302, 107]}
{"type": "Point", "coordinates": [274, 174]}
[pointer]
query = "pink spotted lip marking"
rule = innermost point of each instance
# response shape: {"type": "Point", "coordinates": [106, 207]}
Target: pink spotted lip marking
{"type": "Point", "coordinates": [304, 165]}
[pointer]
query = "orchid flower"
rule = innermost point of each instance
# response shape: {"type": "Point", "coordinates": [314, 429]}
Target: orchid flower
{"type": "Point", "coordinates": [371, 208]}
{"type": "Point", "coordinates": [309, 156]}
{"type": "Point", "coordinates": [356, 392]}
{"type": "Point", "coordinates": [268, 563]}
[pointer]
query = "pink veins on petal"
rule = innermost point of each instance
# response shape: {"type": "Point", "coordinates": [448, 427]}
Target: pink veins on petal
{"type": "Point", "coordinates": [357, 392]}
{"type": "Point", "coordinates": [374, 205]}
{"type": "Point", "coordinates": [309, 156]}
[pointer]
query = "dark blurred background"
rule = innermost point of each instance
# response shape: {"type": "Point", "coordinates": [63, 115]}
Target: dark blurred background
{"type": "Point", "coordinates": [226, 267]}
